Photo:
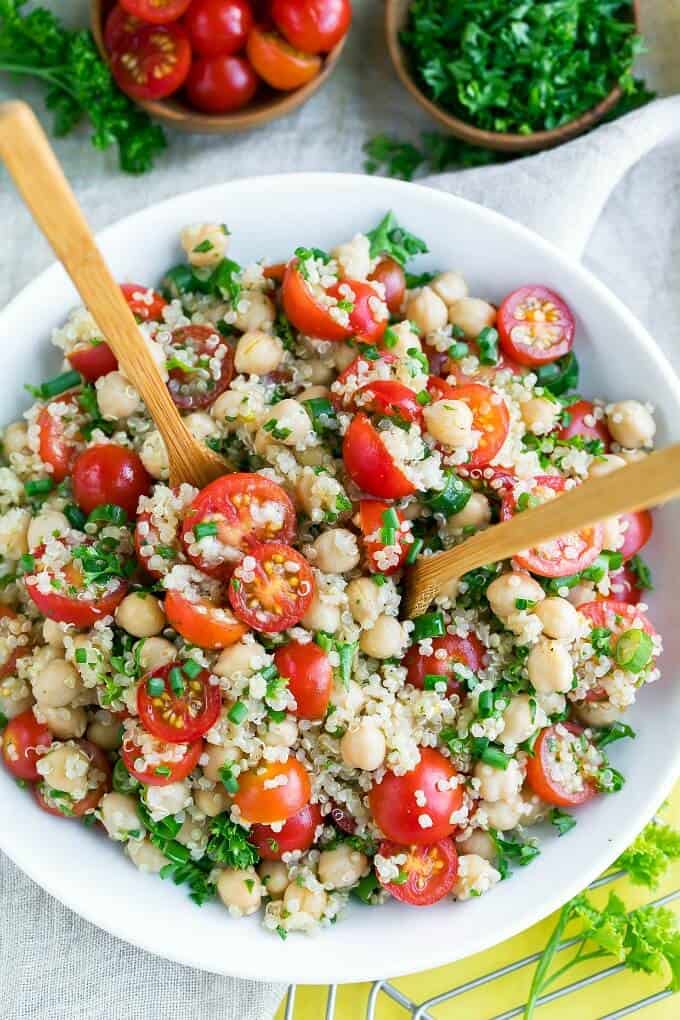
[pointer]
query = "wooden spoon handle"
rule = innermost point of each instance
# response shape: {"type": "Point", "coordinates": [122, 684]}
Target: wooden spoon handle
{"type": "Point", "coordinates": [37, 174]}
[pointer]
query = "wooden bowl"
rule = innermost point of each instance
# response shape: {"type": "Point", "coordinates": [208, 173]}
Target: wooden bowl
{"type": "Point", "coordinates": [396, 12]}
{"type": "Point", "coordinates": [267, 105]}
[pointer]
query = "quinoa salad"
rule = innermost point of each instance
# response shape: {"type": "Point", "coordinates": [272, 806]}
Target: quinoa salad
{"type": "Point", "coordinates": [221, 680]}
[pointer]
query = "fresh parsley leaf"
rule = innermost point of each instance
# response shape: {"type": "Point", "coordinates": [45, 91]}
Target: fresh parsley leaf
{"type": "Point", "coordinates": [228, 844]}
{"type": "Point", "coordinates": [562, 821]}
{"type": "Point", "coordinates": [388, 238]}
{"type": "Point", "coordinates": [651, 854]}
{"type": "Point", "coordinates": [643, 575]}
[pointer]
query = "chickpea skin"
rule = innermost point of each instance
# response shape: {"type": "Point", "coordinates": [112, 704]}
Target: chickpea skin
{"type": "Point", "coordinates": [550, 667]}
{"type": "Point", "coordinates": [472, 315]}
{"type": "Point", "coordinates": [426, 310]}
{"type": "Point", "coordinates": [364, 747]}
{"type": "Point", "coordinates": [559, 618]}
{"type": "Point", "coordinates": [336, 551]}
{"type": "Point", "coordinates": [631, 424]}
{"type": "Point", "coordinates": [241, 890]}
{"type": "Point", "coordinates": [57, 685]}
{"type": "Point", "coordinates": [504, 591]}
{"type": "Point", "coordinates": [343, 867]}
{"type": "Point", "coordinates": [450, 287]}
{"type": "Point", "coordinates": [258, 353]}
{"type": "Point", "coordinates": [385, 639]}
{"type": "Point", "coordinates": [274, 878]}
{"type": "Point", "coordinates": [141, 615]}
{"type": "Point", "coordinates": [475, 514]}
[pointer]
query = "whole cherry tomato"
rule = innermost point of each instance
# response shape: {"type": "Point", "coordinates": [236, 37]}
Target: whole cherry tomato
{"type": "Point", "coordinates": [314, 26]}
{"type": "Point", "coordinates": [310, 677]}
{"type": "Point", "coordinates": [221, 84]}
{"type": "Point", "coordinates": [108, 473]}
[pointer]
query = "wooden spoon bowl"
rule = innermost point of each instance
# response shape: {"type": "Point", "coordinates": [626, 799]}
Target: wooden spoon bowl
{"type": "Point", "coordinates": [268, 104]}
{"type": "Point", "coordinates": [396, 14]}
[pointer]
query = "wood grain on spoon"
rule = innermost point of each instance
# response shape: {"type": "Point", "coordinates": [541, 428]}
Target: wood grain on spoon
{"type": "Point", "coordinates": [645, 483]}
{"type": "Point", "coordinates": [37, 174]}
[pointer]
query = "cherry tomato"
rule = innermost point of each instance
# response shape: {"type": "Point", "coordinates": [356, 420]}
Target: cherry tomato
{"type": "Point", "coordinates": [108, 473]}
{"type": "Point", "coordinates": [368, 463]}
{"type": "Point", "coordinates": [360, 373]}
{"type": "Point", "coordinates": [430, 871]}
{"type": "Point", "coordinates": [153, 63]}
{"type": "Point", "coordinates": [92, 360]}
{"type": "Point", "coordinates": [146, 304]}
{"type": "Point", "coordinates": [371, 520]}
{"type": "Point", "coordinates": [543, 769]}
{"type": "Point", "coordinates": [221, 84]}
{"type": "Point", "coordinates": [9, 658]}
{"type": "Point", "coordinates": [158, 12]}
{"type": "Point", "coordinates": [314, 26]}
{"type": "Point", "coordinates": [272, 588]}
{"type": "Point", "coordinates": [71, 600]}
{"type": "Point", "coordinates": [638, 528]}
{"type": "Point", "coordinates": [202, 622]}
{"type": "Point", "coordinates": [467, 651]}
{"type": "Point", "coordinates": [566, 555]}
{"type": "Point", "coordinates": [391, 275]}
{"type": "Point", "coordinates": [582, 422]}
{"type": "Point", "coordinates": [65, 807]}
{"type": "Point", "coordinates": [170, 762]}
{"type": "Point", "coordinates": [617, 617]}
{"type": "Point", "coordinates": [196, 386]}
{"type": "Point", "coordinates": [393, 802]}
{"type": "Point", "coordinates": [305, 311]}
{"type": "Point", "coordinates": [182, 715]}
{"type": "Point", "coordinates": [368, 317]}
{"type": "Point", "coordinates": [244, 508]}
{"type": "Point", "coordinates": [20, 743]}
{"type": "Point", "coordinates": [310, 677]}
{"type": "Point", "coordinates": [119, 24]}
{"type": "Point", "coordinates": [275, 272]}
{"type": "Point", "coordinates": [296, 834]}
{"type": "Point", "coordinates": [489, 413]}
{"type": "Point", "coordinates": [388, 398]}
{"type": "Point", "coordinates": [623, 586]}
{"type": "Point", "coordinates": [481, 373]}
{"type": "Point", "coordinates": [535, 326]}
{"type": "Point", "coordinates": [219, 27]}
{"type": "Point", "coordinates": [261, 801]}
{"type": "Point", "coordinates": [278, 63]}
{"type": "Point", "coordinates": [58, 438]}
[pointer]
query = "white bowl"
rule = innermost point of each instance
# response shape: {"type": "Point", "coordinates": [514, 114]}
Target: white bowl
{"type": "Point", "coordinates": [269, 216]}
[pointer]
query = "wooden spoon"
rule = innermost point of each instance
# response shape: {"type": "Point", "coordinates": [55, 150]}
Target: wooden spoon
{"type": "Point", "coordinates": [645, 483]}
{"type": "Point", "coordinates": [28, 156]}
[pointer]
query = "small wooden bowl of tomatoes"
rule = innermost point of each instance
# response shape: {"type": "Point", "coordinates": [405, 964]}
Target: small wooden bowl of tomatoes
{"type": "Point", "coordinates": [217, 66]}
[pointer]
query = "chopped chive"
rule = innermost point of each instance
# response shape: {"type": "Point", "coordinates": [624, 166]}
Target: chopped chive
{"type": "Point", "coordinates": [204, 246]}
{"type": "Point", "coordinates": [204, 530]}
{"type": "Point", "coordinates": [379, 579]}
{"type": "Point", "coordinates": [155, 686]}
{"type": "Point", "coordinates": [237, 713]}
{"type": "Point", "coordinates": [487, 341]}
{"type": "Point", "coordinates": [485, 705]}
{"type": "Point", "coordinates": [390, 338]}
{"type": "Point", "coordinates": [229, 780]}
{"type": "Point", "coordinates": [423, 397]}
{"type": "Point", "coordinates": [27, 563]}
{"type": "Point", "coordinates": [525, 603]}
{"type": "Point", "coordinates": [276, 714]}
{"type": "Point", "coordinates": [346, 654]}
{"type": "Point", "coordinates": [3, 721]}
{"type": "Point", "coordinates": [413, 552]}
{"type": "Point", "coordinates": [162, 770]}
{"type": "Point", "coordinates": [110, 513]}
{"type": "Point", "coordinates": [458, 351]}
{"type": "Point", "coordinates": [166, 551]}
{"type": "Point", "coordinates": [192, 668]}
{"type": "Point", "coordinates": [634, 650]}
{"type": "Point", "coordinates": [390, 518]}
{"type": "Point", "coordinates": [176, 680]}
{"type": "Point", "coordinates": [428, 625]}
{"type": "Point", "coordinates": [388, 536]}
{"type": "Point", "coordinates": [430, 681]}
{"type": "Point", "coordinates": [39, 487]}
{"type": "Point", "coordinates": [269, 672]}
{"type": "Point", "coordinates": [494, 757]}
{"type": "Point", "coordinates": [75, 516]}
{"type": "Point", "coordinates": [81, 655]}
{"type": "Point", "coordinates": [59, 384]}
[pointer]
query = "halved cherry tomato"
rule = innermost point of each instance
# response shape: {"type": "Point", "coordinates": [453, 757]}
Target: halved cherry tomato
{"type": "Point", "coordinates": [153, 63]}
{"type": "Point", "coordinates": [368, 317]}
{"type": "Point", "coordinates": [543, 770]}
{"type": "Point", "coordinates": [582, 422]}
{"type": "Point", "coordinates": [218, 27]}
{"type": "Point", "coordinates": [8, 662]}
{"type": "Point", "coordinates": [314, 26]}
{"type": "Point", "coordinates": [202, 622]}
{"type": "Point", "coordinates": [638, 527]}
{"type": "Point", "coordinates": [296, 834]}
{"type": "Point", "coordinates": [371, 522]}
{"type": "Point", "coordinates": [535, 326]}
{"type": "Point", "coordinates": [145, 303]}
{"type": "Point", "coordinates": [272, 587]}
{"type": "Point", "coordinates": [359, 373]}
{"type": "Point", "coordinates": [261, 800]}
{"type": "Point", "coordinates": [108, 473]}
{"type": "Point", "coordinates": [70, 600]}
{"type": "Point", "coordinates": [92, 359]}
{"type": "Point", "coordinates": [196, 386]}
{"type": "Point", "coordinates": [310, 677]}
{"type": "Point", "coordinates": [368, 463]}
{"type": "Point", "coordinates": [20, 741]}
{"type": "Point", "coordinates": [182, 715]}
{"type": "Point", "coordinates": [467, 651]}
{"type": "Point", "coordinates": [119, 24]}
{"type": "Point", "coordinates": [56, 445]}
{"type": "Point", "coordinates": [245, 508]}
{"type": "Point", "coordinates": [275, 272]}
{"type": "Point", "coordinates": [566, 555]}
{"type": "Point", "coordinates": [221, 84]}
{"type": "Point", "coordinates": [391, 275]}
{"type": "Point", "coordinates": [617, 617]}
{"type": "Point", "coordinates": [303, 309]}
{"type": "Point", "coordinates": [401, 818]}
{"type": "Point", "coordinates": [430, 871]}
{"type": "Point", "coordinates": [63, 807]}
{"type": "Point", "coordinates": [490, 416]}
{"type": "Point", "coordinates": [623, 586]}
{"type": "Point", "coordinates": [278, 63]}
{"type": "Point", "coordinates": [171, 762]}
{"type": "Point", "coordinates": [388, 398]}
{"type": "Point", "coordinates": [158, 12]}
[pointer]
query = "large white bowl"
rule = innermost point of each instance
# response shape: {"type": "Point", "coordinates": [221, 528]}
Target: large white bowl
{"type": "Point", "coordinates": [269, 216]}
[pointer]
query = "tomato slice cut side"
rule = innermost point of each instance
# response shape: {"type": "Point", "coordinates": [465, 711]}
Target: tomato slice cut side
{"type": "Point", "coordinates": [157, 763]}
{"type": "Point", "coordinates": [22, 742]}
{"type": "Point", "coordinates": [203, 367]}
{"type": "Point", "coordinates": [272, 587]}
{"type": "Point", "coordinates": [369, 464]}
{"type": "Point", "coordinates": [491, 419]}
{"type": "Point", "coordinates": [459, 651]}
{"type": "Point", "coordinates": [428, 874]}
{"type": "Point", "coordinates": [306, 312]}
{"type": "Point", "coordinates": [153, 62]}
{"type": "Point", "coordinates": [145, 303]}
{"type": "Point", "coordinates": [176, 704]}
{"type": "Point", "coordinates": [202, 622]}
{"type": "Point", "coordinates": [535, 326]}
{"type": "Point", "coordinates": [66, 598]}
{"type": "Point", "coordinates": [546, 768]}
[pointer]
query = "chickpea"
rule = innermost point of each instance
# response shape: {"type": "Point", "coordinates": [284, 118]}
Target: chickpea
{"type": "Point", "coordinates": [141, 615]}
{"type": "Point", "coordinates": [46, 525]}
{"type": "Point", "coordinates": [168, 800]}
{"type": "Point", "coordinates": [406, 339]}
{"type": "Point", "coordinates": [292, 423]}
{"type": "Point", "coordinates": [479, 843]}
{"type": "Point", "coordinates": [605, 465]}
{"type": "Point", "coordinates": [385, 639]}
{"type": "Point", "coordinates": [212, 802]}
{"type": "Point", "coordinates": [15, 697]}
{"type": "Point", "coordinates": [258, 353]}
{"type": "Point", "coordinates": [364, 747]}
{"type": "Point", "coordinates": [472, 315]}
{"type": "Point", "coordinates": [498, 784]}
{"type": "Point", "coordinates": [559, 618]}
{"type": "Point", "coordinates": [581, 593]}
{"type": "Point", "coordinates": [336, 551]}
{"type": "Point", "coordinates": [65, 723]}
{"type": "Point", "coordinates": [354, 257]}
{"type": "Point", "coordinates": [274, 878]}
{"type": "Point", "coordinates": [343, 867]}
{"type": "Point", "coordinates": [154, 456]}
{"type": "Point", "coordinates": [281, 734]}
{"type": "Point", "coordinates": [343, 355]}
{"type": "Point", "coordinates": [15, 438]}
{"type": "Point", "coordinates": [66, 768]}
{"type": "Point", "coordinates": [350, 697]}
{"type": "Point", "coordinates": [321, 616]}
{"type": "Point", "coordinates": [156, 652]}
{"type": "Point", "coordinates": [475, 514]}
{"type": "Point", "coordinates": [613, 533]}
{"type": "Point", "coordinates": [307, 901]}
{"type": "Point", "coordinates": [236, 408]}
{"type": "Point", "coordinates": [117, 398]}
{"type": "Point", "coordinates": [475, 875]}
{"type": "Point", "coordinates": [145, 856]}
{"type": "Point", "coordinates": [426, 310]}
{"type": "Point", "coordinates": [506, 589]}
{"type": "Point", "coordinates": [450, 287]}
{"type": "Point", "coordinates": [119, 815]}
{"type": "Point", "coordinates": [450, 422]}
{"type": "Point", "coordinates": [53, 634]}
{"type": "Point", "coordinates": [217, 757]}
{"type": "Point", "coordinates": [365, 600]}
{"type": "Point", "coordinates": [534, 810]}
{"type": "Point", "coordinates": [201, 425]}
{"type": "Point", "coordinates": [14, 533]}
{"type": "Point", "coordinates": [519, 720]}
{"type": "Point", "coordinates": [243, 657]}
{"type": "Point", "coordinates": [503, 814]}
{"type": "Point", "coordinates": [105, 731]}
{"type": "Point", "coordinates": [631, 456]}
{"type": "Point", "coordinates": [314, 393]}
{"type": "Point", "coordinates": [631, 424]}
{"type": "Point", "coordinates": [254, 311]}
{"type": "Point", "coordinates": [321, 371]}
{"type": "Point", "coordinates": [550, 667]}
{"type": "Point", "coordinates": [241, 890]}
{"type": "Point", "coordinates": [57, 684]}
{"type": "Point", "coordinates": [540, 415]}
{"type": "Point", "coordinates": [205, 244]}
{"type": "Point", "coordinates": [597, 713]}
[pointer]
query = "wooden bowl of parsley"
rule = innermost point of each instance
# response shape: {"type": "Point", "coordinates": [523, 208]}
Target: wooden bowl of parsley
{"type": "Point", "coordinates": [512, 76]}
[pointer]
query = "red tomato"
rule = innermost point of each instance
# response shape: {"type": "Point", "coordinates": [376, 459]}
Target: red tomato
{"type": "Point", "coordinates": [218, 27]}
{"type": "Point", "coordinates": [388, 398]}
{"type": "Point", "coordinates": [72, 601]}
{"type": "Point", "coordinates": [360, 373]}
{"type": "Point", "coordinates": [368, 463]}
{"type": "Point", "coordinates": [146, 304]}
{"type": "Point", "coordinates": [19, 743]}
{"type": "Point", "coordinates": [371, 520]}
{"type": "Point", "coordinates": [158, 12]}
{"type": "Point", "coordinates": [57, 446]}
{"type": "Point", "coordinates": [563, 556]}
{"type": "Point", "coordinates": [9, 658]}
{"type": "Point", "coordinates": [490, 416]}
{"type": "Point", "coordinates": [119, 24]}
{"type": "Point", "coordinates": [638, 531]}
{"type": "Point", "coordinates": [260, 801]}
{"type": "Point", "coordinates": [221, 84]}
{"type": "Point", "coordinates": [310, 677]}
{"type": "Point", "coordinates": [296, 834]}
{"type": "Point", "coordinates": [391, 275]}
{"type": "Point", "coordinates": [195, 347]}
{"type": "Point", "coordinates": [170, 765]}
{"type": "Point", "coordinates": [108, 473]}
{"type": "Point", "coordinates": [369, 317]}
{"type": "Point", "coordinates": [594, 428]}
{"type": "Point", "coordinates": [616, 616]}
{"type": "Point", "coordinates": [92, 359]}
{"type": "Point", "coordinates": [272, 587]}
{"type": "Point", "coordinates": [64, 807]}
{"type": "Point", "coordinates": [393, 803]}
{"type": "Point", "coordinates": [314, 26]}
{"type": "Point", "coordinates": [182, 716]}
{"type": "Point", "coordinates": [535, 326]}
{"type": "Point", "coordinates": [245, 508]}
{"type": "Point", "coordinates": [278, 63]}
{"type": "Point", "coordinates": [201, 622]}
{"type": "Point", "coordinates": [153, 63]}
{"type": "Point", "coordinates": [303, 309]}
{"type": "Point", "coordinates": [430, 871]}
{"type": "Point", "coordinates": [542, 774]}
{"type": "Point", "coordinates": [623, 586]}
{"type": "Point", "coordinates": [469, 651]}
{"type": "Point", "coordinates": [275, 272]}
